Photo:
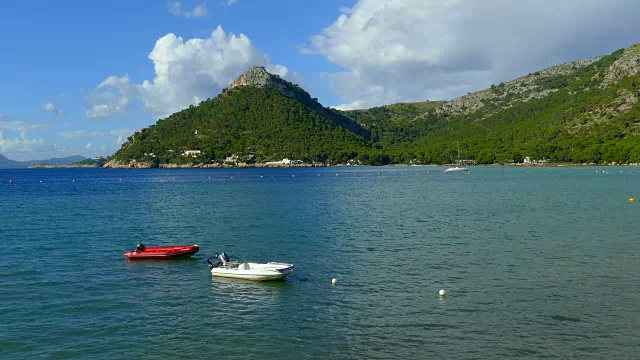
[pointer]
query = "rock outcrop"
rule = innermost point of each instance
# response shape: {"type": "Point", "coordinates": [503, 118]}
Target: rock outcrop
{"type": "Point", "coordinates": [525, 89]}
{"type": "Point", "coordinates": [627, 65]}
{"type": "Point", "coordinates": [257, 76]}
{"type": "Point", "coordinates": [114, 164]}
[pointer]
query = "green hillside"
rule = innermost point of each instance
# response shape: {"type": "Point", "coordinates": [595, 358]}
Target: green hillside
{"type": "Point", "coordinates": [583, 112]}
{"type": "Point", "coordinates": [256, 124]}
{"type": "Point", "coordinates": [394, 128]}
{"type": "Point", "coordinates": [586, 111]}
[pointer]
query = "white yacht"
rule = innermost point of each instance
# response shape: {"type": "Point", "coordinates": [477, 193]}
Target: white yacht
{"type": "Point", "coordinates": [457, 168]}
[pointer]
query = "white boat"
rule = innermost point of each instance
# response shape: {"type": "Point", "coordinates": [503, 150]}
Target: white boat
{"type": "Point", "coordinates": [223, 267]}
{"type": "Point", "coordinates": [457, 168]}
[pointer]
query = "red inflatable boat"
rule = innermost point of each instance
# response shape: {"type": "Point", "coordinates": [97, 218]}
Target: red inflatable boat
{"type": "Point", "coordinates": [161, 252]}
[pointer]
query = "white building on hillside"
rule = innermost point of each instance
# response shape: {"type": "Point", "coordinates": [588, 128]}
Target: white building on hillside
{"type": "Point", "coordinates": [192, 153]}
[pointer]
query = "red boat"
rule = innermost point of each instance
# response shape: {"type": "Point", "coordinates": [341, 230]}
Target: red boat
{"type": "Point", "coordinates": [162, 252]}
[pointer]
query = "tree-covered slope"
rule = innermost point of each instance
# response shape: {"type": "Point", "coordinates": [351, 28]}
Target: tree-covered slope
{"type": "Point", "coordinates": [256, 124]}
{"type": "Point", "coordinates": [586, 111]}
{"type": "Point", "coordinates": [394, 128]}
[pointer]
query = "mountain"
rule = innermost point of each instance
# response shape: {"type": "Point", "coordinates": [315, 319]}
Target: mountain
{"type": "Point", "coordinates": [260, 117]}
{"type": "Point", "coordinates": [586, 111]}
{"type": "Point", "coordinates": [55, 161]}
{"type": "Point", "coordinates": [6, 163]}
{"type": "Point", "coordinates": [258, 76]}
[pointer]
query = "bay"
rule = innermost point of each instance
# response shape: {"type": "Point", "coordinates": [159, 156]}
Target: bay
{"type": "Point", "coordinates": [538, 262]}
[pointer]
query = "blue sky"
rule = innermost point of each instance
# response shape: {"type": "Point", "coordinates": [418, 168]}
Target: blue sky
{"type": "Point", "coordinates": [78, 77]}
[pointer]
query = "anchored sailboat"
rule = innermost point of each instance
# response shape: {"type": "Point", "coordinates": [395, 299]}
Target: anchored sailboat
{"type": "Point", "coordinates": [457, 167]}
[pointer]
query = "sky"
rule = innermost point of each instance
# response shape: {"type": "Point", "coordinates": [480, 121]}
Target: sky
{"type": "Point", "coordinates": [79, 77]}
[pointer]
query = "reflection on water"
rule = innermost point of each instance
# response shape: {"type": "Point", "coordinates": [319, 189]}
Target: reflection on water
{"type": "Point", "coordinates": [249, 292]}
{"type": "Point", "coordinates": [160, 263]}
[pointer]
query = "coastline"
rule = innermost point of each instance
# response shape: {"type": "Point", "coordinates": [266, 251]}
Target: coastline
{"type": "Point", "coordinates": [144, 165]}
{"type": "Point", "coordinates": [69, 166]}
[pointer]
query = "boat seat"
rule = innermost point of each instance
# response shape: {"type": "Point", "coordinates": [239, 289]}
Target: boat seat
{"type": "Point", "coordinates": [244, 266]}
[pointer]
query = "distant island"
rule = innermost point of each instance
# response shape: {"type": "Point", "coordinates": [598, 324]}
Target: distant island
{"type": "Point", "coordinates": [54, 162]}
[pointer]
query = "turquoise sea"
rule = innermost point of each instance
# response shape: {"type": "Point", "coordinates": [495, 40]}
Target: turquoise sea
{"type": "Point", "coordinates": [537, 263]}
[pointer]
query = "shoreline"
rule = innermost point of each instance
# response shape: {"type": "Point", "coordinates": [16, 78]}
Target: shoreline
{"type": "Point", "coordinates": [117, 165]}
{"type": "Point", "coordinates": [44, 166]}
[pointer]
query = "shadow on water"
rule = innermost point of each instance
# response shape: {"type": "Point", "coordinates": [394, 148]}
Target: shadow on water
{"type": "Point", "coordinates": [160, 262]}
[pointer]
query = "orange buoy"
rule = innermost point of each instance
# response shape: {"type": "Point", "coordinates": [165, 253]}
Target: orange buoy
{"type": "Point", "coordinates": [632, 200]}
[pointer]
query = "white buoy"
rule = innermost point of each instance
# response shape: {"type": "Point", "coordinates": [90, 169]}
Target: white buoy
{"type": "Point", "coordinates": [334, 281]}
{"type": "Point", "coordinates": [442, 293]}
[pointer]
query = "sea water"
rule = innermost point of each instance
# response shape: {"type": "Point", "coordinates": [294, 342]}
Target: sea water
{"type": "Point", "coordinates": [537, 262]}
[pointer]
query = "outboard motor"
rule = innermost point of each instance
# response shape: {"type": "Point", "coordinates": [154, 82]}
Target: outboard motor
{"type": "Point", "coordinates": [140, 247]}
{"type": "Point", "coordinates": [224, 258]}
{"type": "Point", "coordinates": [212, 264]}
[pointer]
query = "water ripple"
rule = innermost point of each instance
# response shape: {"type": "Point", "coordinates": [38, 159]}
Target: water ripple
{"type": "Point", "coordinates": [538, 263]}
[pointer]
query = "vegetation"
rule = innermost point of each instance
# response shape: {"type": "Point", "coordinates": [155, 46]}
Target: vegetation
{"type": "Point", "coordinates": [254, 124]}
{"type": "Point", "coordinates": [97, 162]}
{"type": "Point", "coordinates": [563, 116]}
{"type": "Point", "coordinates": [579, 121]}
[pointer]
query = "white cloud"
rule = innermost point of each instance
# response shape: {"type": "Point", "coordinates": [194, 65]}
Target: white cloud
{"type": "Point", "coordinates": [52, 108]}
{"type": "Point", "coordinates": [17, 144]}
{"type": "Point", "coordinates": [175, 8]}
{"type": "Point", "coordinates": [23, 144]}
{"type": "Point", "coordinates": [231, 2]}
{"type": "Point", "coordinates": [358, 104]}
{"type": "Point", "coordinates": [78, 133]}
{"type": "Point", "coordinates": [412, 50]}
{"type": "Point", "coordinates": [18, 140]}
{"type": "Point", "coordinates": [18, 126]}
{"type": "Point", "coordinates": [119, 135]}
{"type": "Point", "coordinates": [2, 117]}
{"type": "Point", "coordinates": [112, 97]}
{"type": "Point", "coordinates": [186, 73]}
{"type": "Point", "coordinates": [100, 111]}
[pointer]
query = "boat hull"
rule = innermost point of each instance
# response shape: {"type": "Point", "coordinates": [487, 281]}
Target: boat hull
{"type": "Point", "coordinates": [274, 276]}
{"type": "Point", "coordinates": [254, 271]}
{"type": "Point", "coordinates": [163, 252]}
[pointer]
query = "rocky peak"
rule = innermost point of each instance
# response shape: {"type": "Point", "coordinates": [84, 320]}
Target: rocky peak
{"type": "Point", "coordinates": [258, 76]}
{"type": "Point", "coordinates": [627, 65]}
{"type": "Point", "coordinates": [255, 76]}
